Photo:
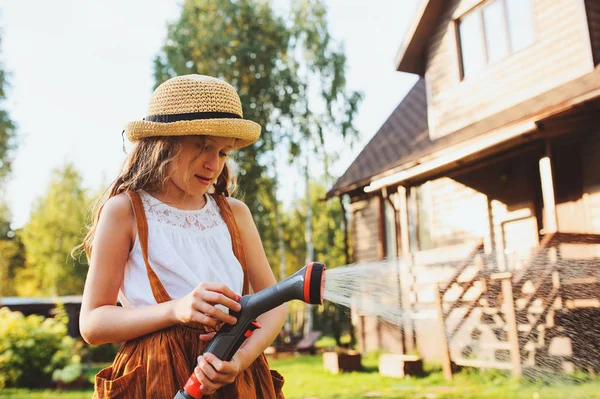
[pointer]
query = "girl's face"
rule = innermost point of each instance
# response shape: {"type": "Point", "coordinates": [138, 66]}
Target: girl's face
{"type": "Point", "coordinates": [200, 163]}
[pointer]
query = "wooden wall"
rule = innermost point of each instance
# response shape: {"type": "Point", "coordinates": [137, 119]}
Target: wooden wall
{"type": "Point", "coordinates": [559, 54]}
{"type": "Point", "coordinates": [593, 16]}
{"type": "Point", "coordinates": [590, 161]}
{"type": "Point", "coordinates": [512, 188]}
{"type": "Point", "coordinates": [576, 162]}
{"type": "Point", "coordinates": [365, 229]}
{"type": "Point", "coordinates": [499, 202]}
{"type": "Point", "coordinates": [450, 213]}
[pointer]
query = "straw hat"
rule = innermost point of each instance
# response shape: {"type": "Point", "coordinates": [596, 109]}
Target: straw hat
{"type": "Point", "coordinates": [195, 105]}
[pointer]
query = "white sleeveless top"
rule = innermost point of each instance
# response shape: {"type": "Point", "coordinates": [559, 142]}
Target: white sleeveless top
{"type": "Point", "coordinates": [185, 248]}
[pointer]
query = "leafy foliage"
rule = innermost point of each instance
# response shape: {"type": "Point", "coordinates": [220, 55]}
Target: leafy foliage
{"type": "Point", "coordinates": [7, 132]}
{"type": "Point", "coordinates": [55, 227]}
{"type": "Point", "coordinates": [288, 71]}
{"type": "Point", "coordinates": [9, 255]}
{"type": "Point", "coordinates": [328, 239]}
{"type": "Point", "coordinates": [12, 261]}
{"type": "Point", "coordinates": [33, 347]}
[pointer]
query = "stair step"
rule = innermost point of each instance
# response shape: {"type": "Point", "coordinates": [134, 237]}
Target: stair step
{"type": "Point", "coordinates": [493, 345]}
{"type": "Point", "coordinates": [483, 364]}
{"type": "Point", "coordinates": [582, 303]}
{"type": "Point", "coordinates": [582, 280]}
{"type": "Point", "coordinates": [524, 327]}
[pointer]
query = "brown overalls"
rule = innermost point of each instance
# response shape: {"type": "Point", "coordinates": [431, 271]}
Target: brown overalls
{"type": "Point", "coordinates": [157, 365]}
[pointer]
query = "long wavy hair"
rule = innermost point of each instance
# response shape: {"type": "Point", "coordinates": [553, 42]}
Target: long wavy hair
{"type": "Point", "coordinates": [148, 168]}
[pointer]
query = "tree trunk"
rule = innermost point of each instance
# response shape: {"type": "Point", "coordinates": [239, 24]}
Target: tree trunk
{"type": "Point", "coordinates": [282, 274]}
{"type": "Point", "coordinates": [310, 252]}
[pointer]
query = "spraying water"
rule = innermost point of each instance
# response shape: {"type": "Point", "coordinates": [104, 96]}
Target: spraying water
{"type": "Point", "coordinates": [556, 303]}
{"type": "Point", "coordinates": [373, 289]}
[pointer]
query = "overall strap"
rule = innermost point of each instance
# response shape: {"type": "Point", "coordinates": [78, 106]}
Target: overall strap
{"type": "Point", "coordinates": [236, 238]}
{"type": "Point", "coordinates": [158, 290]}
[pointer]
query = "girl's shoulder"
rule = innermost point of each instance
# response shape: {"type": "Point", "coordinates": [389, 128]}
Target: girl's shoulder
{"type": "Point", "coordinates": [117, 213]}
{"type": "Point", "coordinates": [240, 210]}
{"type": "Point", "coordinates": [118, 206]}
{"type": "Point", "coordinates": [236, 204]}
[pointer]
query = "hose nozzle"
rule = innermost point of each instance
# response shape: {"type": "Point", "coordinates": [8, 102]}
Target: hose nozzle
{"type": "Point", "coordinates": [314, 283]}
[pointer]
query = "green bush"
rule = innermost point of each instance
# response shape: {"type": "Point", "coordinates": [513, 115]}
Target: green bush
{"type": "Point", "coordinates": [33, 347]}
{"type": "Point", "coordinates": [104, 353]}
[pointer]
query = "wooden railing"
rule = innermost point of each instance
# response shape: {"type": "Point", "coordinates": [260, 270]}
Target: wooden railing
{"type": "Point", "coordinates": [522, 301]}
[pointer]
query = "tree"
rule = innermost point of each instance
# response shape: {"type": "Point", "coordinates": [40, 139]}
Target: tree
{"type": "Point", "coordinates": [7, 132]}
{"type": "Point", "coordinates": [56, 226]}
{"type": "Point", "coordinates": [270, 60]}
{"type": "Point", "coordinates": [12, 261]}
{"type": "Point", "coordinates": [290, 75]}
{"type": "Point", "coordinates": [11, 249]}
{"type": "Point", "coordinates": [328, 238]}
{"type": "Point", "coordinates": [244, 43]}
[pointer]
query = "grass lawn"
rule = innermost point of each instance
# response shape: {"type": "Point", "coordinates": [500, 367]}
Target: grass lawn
{"type": "Point", "coordinates": [305, 379]}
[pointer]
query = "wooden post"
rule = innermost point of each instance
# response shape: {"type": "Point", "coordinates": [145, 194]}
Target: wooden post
{"type": "Point", "coordinates": [348, 260]}
{"type": "Point", "coordinates": [550, 219]}
{"type": "Point", "coordinates": [490, 248]}
{"type": "Point", "coordinates": [446, 362]}
{"type": "Point", "coordinates": [413, 219]}
{"type": "Point", "coordinates": [511, 324]}
{"type": "Point", "coordinates": [405, 247]}
{"type": "Point", "coordinates": [402, 207]}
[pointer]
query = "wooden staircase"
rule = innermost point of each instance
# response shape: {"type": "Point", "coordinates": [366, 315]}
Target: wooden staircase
{"type": "Point", "coordinates": [510, 320]}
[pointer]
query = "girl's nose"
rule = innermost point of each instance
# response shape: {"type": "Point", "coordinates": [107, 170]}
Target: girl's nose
{"type": "Point", "coordinates": [211, 163]}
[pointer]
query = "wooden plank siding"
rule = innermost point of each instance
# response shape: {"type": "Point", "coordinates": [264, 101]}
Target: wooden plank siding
{"type": "Point", "coordinates": [558, 55]}
{"type": "Point", "coordinates": [591, 179]}
{"type": "Point", "coordinates": [455, 214]}
{"type": "Point", "coordinates": [455, 209]}
{"type": "Point", "coordinates": [364, 229]}
{"type": "Point", "coordinates": [593, 18]}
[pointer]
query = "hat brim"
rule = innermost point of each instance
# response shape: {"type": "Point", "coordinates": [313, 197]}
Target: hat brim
{"type": "Point", "coordinates": [244, 131]}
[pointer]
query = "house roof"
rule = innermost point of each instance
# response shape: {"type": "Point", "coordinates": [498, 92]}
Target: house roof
{"type": "Point", "coordinates": [402, 133]}
{"type": "Point", "coordinates": [403, 141]}
{"type": "Point", "coordinates": [411, 55]}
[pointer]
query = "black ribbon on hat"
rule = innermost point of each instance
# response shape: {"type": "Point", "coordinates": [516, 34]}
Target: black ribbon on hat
{"type": "Point", "coordinates": [190, 116]}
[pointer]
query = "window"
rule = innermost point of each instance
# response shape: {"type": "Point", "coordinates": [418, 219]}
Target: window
{"type": "Point", "coordinates": [492, 31]}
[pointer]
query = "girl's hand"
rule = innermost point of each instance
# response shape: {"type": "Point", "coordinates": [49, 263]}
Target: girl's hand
{"type": "Point", "coordinates": [198, 307]}
{"type": "Point", "coordinates": [214, 373]}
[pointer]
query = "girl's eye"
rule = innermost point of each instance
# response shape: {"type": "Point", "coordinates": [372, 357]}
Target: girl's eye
{"type": "Point", "coordinates": [223, 154]}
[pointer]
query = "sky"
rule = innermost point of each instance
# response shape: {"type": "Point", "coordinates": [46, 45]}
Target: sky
{"type": "Point", "coordinates": [79, 70]}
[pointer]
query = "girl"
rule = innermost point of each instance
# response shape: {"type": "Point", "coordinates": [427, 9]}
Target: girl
{"type": "Point", "coordinates": [167, 245]}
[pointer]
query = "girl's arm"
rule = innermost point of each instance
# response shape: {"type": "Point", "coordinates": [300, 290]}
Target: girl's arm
{"type": "Point", "coordinates": [102, 321]}
{"type": "Point", "coordinates": [213, 372]}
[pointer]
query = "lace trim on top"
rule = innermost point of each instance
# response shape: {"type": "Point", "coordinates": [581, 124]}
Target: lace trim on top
{"type": "Point", "coordinates": [196, 221]}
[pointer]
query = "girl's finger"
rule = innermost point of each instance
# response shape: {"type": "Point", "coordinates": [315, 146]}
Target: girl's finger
{"type": "Point", "coordinates": [215, 297]}
{"type": "Point", "coordinates": [207, 337]}
{"type": "Point", "coordinates": [208, 370]}
{"type": "Point", "coordinates": [222, 288]}
{"type": "Point", "coordinates": [216, 313]}
{"type": "Point", "coordinates": [205, 319]}
{"type": "Point", "coordinates": [215, 362]}
{"type": "Point", "coordinates": [207, 386]}
{"type": "Point", "coordinates": [226, 371]}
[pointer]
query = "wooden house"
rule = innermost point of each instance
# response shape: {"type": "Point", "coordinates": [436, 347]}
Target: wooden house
{"type": "Point", "coordinates": [486, 179]}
